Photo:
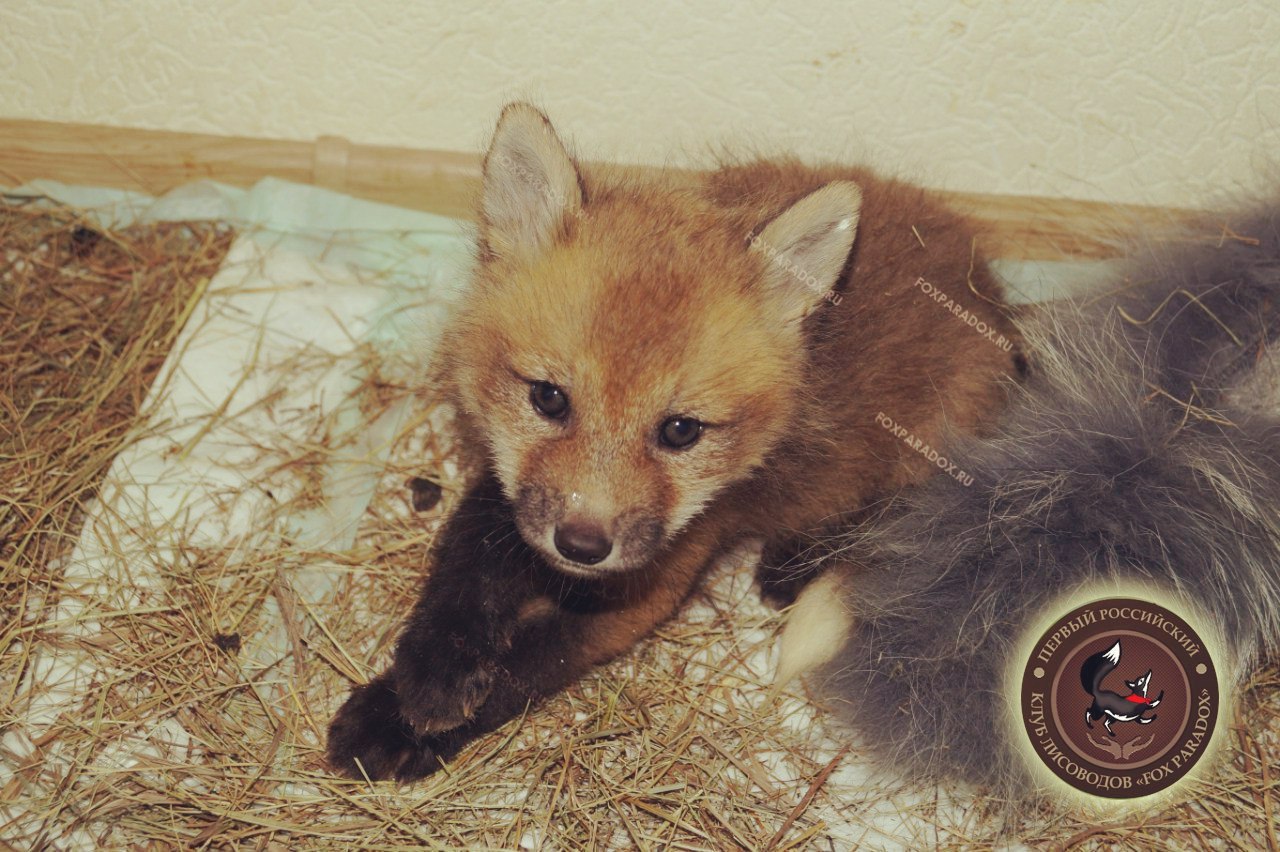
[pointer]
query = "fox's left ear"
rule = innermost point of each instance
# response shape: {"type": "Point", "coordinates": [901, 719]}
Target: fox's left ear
{"type": "Point", "coordinates": [531, 184]}
{"type": "Point", "coordinates": [805, 247]}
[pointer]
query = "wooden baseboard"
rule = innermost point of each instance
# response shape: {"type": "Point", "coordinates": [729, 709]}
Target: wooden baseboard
{"type": "Point", "coordinates": [445, 182]}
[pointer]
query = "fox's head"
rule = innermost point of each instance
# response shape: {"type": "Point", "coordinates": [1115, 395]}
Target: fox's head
{"type": "Point", "coordinates": [625, 353]}
{"type": "Point", "coordinates": [1140, 685]}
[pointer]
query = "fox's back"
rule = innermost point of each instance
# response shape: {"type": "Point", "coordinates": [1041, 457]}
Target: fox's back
{"type": "Point", "coordinates": [899, 342]}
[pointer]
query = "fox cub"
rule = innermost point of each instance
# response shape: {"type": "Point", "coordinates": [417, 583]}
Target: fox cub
{"type": "Point", "coordinates": [648, 368]}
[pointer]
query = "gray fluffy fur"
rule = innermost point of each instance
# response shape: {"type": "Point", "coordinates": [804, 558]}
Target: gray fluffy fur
{"type": "Point", "coordinates": [1092, 474]}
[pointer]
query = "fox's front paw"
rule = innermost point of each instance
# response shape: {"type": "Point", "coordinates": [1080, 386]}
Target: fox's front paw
{"type": "Point", "coordinates": [783, 572]}
{"type": "Point", "coordinates": [368, 737]}
{"type": "Point", "coordinates": [441, 686]}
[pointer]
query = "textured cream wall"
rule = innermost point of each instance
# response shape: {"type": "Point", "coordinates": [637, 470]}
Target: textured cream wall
{"type": "Point", "coordinates": [1145, 100]}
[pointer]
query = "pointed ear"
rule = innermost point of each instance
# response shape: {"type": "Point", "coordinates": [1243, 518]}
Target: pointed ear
{"type": "Point", "coordinates": [806, 246]}
{"type": "Point", "coordinates": [530, 184]}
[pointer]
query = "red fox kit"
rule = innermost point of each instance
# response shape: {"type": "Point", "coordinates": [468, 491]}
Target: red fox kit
{"type": "Point", "coordinates": [647, 369]}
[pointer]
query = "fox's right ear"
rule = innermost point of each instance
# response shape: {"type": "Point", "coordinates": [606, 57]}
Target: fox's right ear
{"type": "Point", "coordinates": [531, 184]}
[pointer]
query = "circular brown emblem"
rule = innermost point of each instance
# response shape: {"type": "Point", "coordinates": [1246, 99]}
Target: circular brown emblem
{"type": "Point", "coordinates": [1120, 698]}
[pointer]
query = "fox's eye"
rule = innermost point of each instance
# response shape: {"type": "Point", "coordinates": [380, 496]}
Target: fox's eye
{"type": "Point", "coordinates": [680, 433]}
{"type": "Point", "coordinates": [549, 400]}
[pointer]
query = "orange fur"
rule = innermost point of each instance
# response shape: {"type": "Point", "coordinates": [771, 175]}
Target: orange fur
{"type": "Point", "coordinates": [775, 304]}
{"type": "Point", "coordinates": [646, 301]}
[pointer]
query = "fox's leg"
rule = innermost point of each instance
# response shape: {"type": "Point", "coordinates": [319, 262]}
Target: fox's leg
{"type": "Point", "coordinates": [493, 621]}
{"type": "Point", "coordinates": [483, 576]}
{"type": "Point", "coordinates": [494, 630]}
{"type": "Point", "coordinates": [444, 661]}
{"type": "Point", "coordinates": [784, 570]}
{"type": "Point", "coordinates": [1088, 718]}
{"type": "Point", "coordinates": [554, 649]}
{"type": "Point", "coordinates": [1106, 723]}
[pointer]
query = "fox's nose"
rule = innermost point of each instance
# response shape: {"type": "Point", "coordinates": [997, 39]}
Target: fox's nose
{"type": "Point", "coordinates": [582, 541]}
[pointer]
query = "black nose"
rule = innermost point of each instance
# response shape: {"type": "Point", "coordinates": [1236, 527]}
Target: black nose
{"type": "Point", "coordinates": [582, 542]}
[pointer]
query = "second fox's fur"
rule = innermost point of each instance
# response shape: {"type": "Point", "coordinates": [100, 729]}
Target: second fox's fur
{"type": "Point", "coordinates": [1144, 448]}
{"type": "Point", "coordinates": [777, 306]}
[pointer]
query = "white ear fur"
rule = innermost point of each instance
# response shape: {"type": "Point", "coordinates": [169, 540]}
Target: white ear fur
{"type": "Point", "coordinates": [806, 246]}
{"type": "Point", "coordinates": [530, 184]}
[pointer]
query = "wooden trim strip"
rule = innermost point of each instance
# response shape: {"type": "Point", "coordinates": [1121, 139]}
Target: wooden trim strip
{"type": "Point", "coordinates": [445, 182]}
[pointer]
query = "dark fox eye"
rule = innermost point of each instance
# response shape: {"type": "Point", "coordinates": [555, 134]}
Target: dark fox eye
{"type": "Point", "coordinates": [680, 433]}
{"type": "Point", "coordinates": [549, 400]}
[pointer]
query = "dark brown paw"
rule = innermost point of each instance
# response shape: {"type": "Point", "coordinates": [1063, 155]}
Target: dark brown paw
{"type": "Point", "coordinates": [441, 692]}
{"type": "Point", "coordinates": [779, 593]}
{"type": "Point", "coordinates": [369, 738]}
{"type": "Point", "coordinates": [785, 568]}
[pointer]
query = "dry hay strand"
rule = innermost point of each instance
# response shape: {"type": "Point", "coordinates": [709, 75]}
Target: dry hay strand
{"type": "Point", "coordinates": [675, 746]}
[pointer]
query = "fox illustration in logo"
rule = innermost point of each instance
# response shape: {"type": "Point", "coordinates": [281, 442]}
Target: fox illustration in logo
{"type": "Point", "coordinates": [1111, 706]}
